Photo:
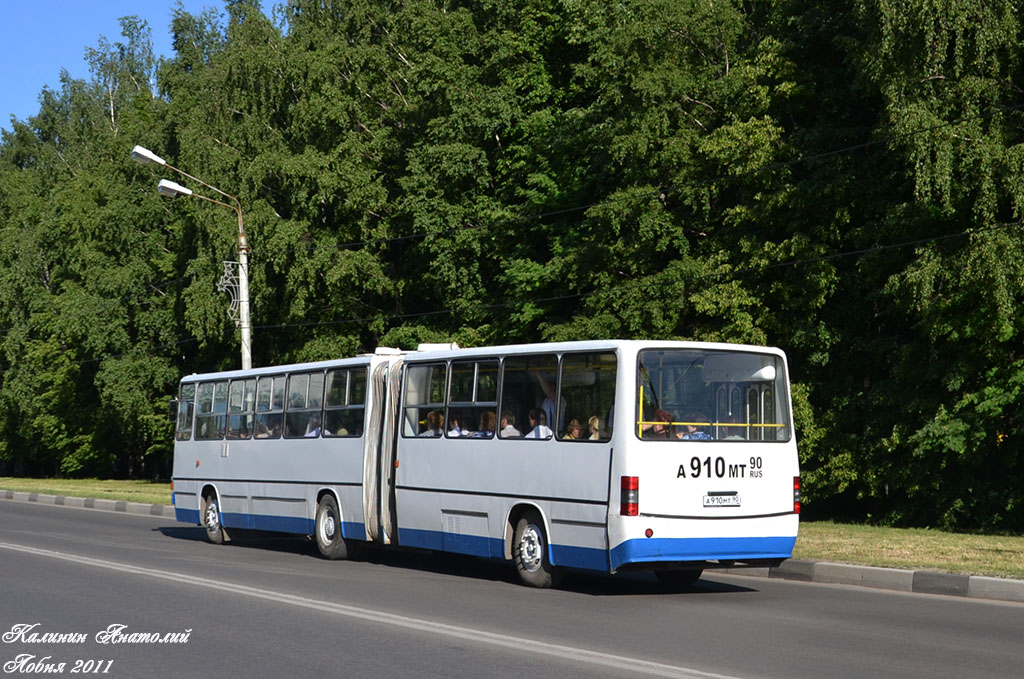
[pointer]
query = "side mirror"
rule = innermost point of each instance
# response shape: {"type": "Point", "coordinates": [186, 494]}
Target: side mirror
{"type": "Point", "coordinates": [172, 411]}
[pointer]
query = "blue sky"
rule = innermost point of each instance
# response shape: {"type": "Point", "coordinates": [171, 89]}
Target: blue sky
{"type": "Point", "coordinates": [40, 37]}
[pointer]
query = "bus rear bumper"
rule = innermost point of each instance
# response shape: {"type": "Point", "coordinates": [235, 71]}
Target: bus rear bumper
{"type": "Point", "coordinates": [702, 552]}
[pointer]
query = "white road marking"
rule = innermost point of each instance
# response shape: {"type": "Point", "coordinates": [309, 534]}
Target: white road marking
{"type": "Point", "coordinates": [518, 644]}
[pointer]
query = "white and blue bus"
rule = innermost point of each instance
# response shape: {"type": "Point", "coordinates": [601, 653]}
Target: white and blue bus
{"type": "Point", "coordinates": [609, 455]}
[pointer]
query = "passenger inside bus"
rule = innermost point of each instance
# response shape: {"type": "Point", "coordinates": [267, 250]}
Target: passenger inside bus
{"type": "Point", "coordinates": [548, 405]}
{"type": "Point", "coordinates": [538, 423]}
{"type": "Point", "coordinates": [660, 427]}
{"type": "Point", "coordinates": [433, 424]}
{"type": "Point", "coordinates": [455, 424]}
{"type": "Point", "coordinates": [735, 432]}
{"type": "Point", "coordinates": [692, 428]}
{"type": "Point", "coordinates": [268, 427]}
{"type": "Point", "coordinates": [486, 429]}
{"type": "Point", "coordinates": [508, 425]}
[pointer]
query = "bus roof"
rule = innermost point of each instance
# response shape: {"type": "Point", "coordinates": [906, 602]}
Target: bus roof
{"type": "Point", "coordinates": [436, 352]}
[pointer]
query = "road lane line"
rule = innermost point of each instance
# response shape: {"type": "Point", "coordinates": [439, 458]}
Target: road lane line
{"type": "Point", "coordinates": [518, 644]}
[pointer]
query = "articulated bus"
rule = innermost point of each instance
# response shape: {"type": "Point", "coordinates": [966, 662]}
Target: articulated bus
{"type": "Point", "coordinates": [612, 456]}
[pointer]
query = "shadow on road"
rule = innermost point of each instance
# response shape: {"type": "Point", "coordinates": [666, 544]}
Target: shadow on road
{"type": "Point", "coordinates": [460, 566]}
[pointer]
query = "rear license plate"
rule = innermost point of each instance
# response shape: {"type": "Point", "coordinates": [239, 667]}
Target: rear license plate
{"type": "Point", "coordinates": [731, 500]}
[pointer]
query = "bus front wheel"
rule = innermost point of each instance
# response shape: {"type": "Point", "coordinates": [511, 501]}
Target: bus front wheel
{"type": "Point", "coordinates": [328, 531]}
{"type": "Point", "coordinates": [530, 553]}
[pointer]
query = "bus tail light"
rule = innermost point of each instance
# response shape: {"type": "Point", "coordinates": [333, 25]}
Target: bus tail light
{"type": "Point", "coordinates": [796, 494]}
{"type": "Point", "coordinates": [630, 498]}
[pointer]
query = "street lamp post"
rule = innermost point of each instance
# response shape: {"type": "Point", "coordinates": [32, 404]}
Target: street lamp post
{"type": "Point", "coordinates": [172, 189]}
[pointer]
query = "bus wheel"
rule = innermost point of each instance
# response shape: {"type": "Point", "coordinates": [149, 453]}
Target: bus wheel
{"type": "Point", "coordinates": [328, 531]}
{"type": "Point", "coordinates": [678, 581]}
{"type": "Point", "coordinates": [211, 520]}
{"type": "Point", "coordinates": [530, 552]}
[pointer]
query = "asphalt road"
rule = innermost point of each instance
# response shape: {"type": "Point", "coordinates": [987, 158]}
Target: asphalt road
{"type": "Point", "coordinates": [268, 606]}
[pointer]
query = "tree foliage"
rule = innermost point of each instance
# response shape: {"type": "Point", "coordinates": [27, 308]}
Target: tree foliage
{"type": "Point", "coordinates": [840, 181]}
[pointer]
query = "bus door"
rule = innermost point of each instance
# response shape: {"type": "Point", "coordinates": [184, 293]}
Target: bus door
{"type": "Point", "coordinates": [388, 456]}
{"type": "Point", "coordinates": [379, 453]}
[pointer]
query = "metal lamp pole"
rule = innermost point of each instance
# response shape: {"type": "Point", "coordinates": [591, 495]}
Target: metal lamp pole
{"type": "Point", "coordinates": [172, 189]}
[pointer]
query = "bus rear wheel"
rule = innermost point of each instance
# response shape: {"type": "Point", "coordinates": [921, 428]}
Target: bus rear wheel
{"type": "Point", "coordinates": [679, 581]}
{"type": "Point", "coordinates": [211, 520]}
{"type": "Point", "coordinates": [328, 531]}
{"type": "Point", "coordinates": [530, 553]}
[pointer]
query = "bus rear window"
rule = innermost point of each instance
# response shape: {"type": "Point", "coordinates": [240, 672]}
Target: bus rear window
{"type": "Point", "coordinates": [694, 395]}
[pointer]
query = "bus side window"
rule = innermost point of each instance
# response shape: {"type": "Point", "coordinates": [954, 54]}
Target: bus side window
{"type": "Point", "coordinates": [424, 393]}
{"type": "Point", "coordinates": [241, 400]}
{"type": "Point", "coordinates": [305, 400]}
{"type": "Point", "coordinates": [473, 399]}
{"type": "Point", "coordinates": [211, 416]}
{"type": "Point", "coordinates": [528, 386]}
{"type": "Point", "coordinates": [269, 407]}
{"type": "Point", "coordinates": [345, 402]}
{"type": "Point", "coordinates": [588, 391]}
{"type": "Point", "coordinates": [186, 410]}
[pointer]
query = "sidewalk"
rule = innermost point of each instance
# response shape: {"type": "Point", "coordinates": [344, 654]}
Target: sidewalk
{"type": "Point", "coordinates": [921, 582]}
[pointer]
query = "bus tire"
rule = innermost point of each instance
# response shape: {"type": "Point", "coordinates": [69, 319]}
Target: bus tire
{"type": "Point", "coordinates": [530, 553]}
{"type": "Point", "coordinates": [328, 531]}
{"type": "Point", "coordinates": [678, 581]}
{"type": "Point", "coordinates": [215, 532]}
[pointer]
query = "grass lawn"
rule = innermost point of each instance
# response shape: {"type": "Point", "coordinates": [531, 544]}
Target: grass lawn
{"type": "Point", "coordinates": [133, 491]}
{"type": "Point", "coordinates": [907, 548]}
{"type": "Point", "coordinates": [912, 549]}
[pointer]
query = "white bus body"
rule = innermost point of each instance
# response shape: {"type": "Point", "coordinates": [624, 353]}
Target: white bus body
{"type": "Point", "coordinates": [664, 456]}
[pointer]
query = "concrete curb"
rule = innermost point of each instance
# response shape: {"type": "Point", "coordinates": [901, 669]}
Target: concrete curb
{"type": "Point", "coordinates": [90, 503]}
{"type": "Point", "coordinates": [921, 582]}
{"type": "Point", "coordinates": [894, 579]}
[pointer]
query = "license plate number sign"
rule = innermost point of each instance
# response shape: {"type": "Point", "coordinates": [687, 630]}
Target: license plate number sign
{"type": "Point", "coordinates": [722, 500]}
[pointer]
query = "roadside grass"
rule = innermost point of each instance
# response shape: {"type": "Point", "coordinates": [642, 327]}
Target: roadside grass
{"type": "Point", "coordinates": [912, 549]}
{"type": "Point", "coordinates": [132, 491]}
{"type": "Point", "coordinates": [907, 548]}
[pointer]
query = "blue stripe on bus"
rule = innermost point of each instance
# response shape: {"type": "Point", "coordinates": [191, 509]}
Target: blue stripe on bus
{"type": "Point", "coordinates": [279, 524]}
{"type": "Point", "coordinates": [476, 545]}
{"type": "Point", "coordinates": [701, 549]}
{"type": "Point", "coordinates": [587, 558]}
{"type": "Point", "coordinates": [353, 530]}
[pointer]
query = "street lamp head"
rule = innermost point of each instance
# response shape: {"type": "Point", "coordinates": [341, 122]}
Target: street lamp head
{"type": "Point", "coordinates": [145, 156]}
{"type": "Point", "coordinates": [171, 189]}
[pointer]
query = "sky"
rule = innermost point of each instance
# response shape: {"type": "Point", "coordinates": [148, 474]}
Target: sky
{"type": "Point", "coordinates": [40, 37]}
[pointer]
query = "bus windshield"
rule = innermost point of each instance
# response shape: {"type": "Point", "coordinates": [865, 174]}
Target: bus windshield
{"type": "Point", "coordinates": [700, 395]}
